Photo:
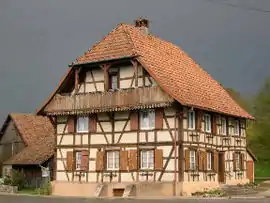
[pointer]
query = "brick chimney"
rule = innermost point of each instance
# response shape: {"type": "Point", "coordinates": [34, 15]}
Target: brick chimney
{"type": "Point", "coordinates": [142, 24]}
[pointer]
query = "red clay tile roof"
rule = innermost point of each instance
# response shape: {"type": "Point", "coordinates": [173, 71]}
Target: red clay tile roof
{"type": "Point", "coordinates": [38, 134]}
{"type": "Point", "coordinates": [174, 71]}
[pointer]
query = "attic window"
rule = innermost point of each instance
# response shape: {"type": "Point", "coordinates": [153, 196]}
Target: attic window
{"type": "Point", "coordinates": [113, 79]}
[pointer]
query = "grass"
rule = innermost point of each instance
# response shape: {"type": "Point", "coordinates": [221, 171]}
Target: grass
{"type": "Point", "coordinates": [29, 191]}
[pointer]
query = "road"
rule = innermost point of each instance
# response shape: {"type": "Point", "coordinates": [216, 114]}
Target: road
{"type": "Point", "coordinates": [36, 199]}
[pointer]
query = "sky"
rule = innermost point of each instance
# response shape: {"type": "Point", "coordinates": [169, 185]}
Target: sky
{"type": "Point", "coordinates": [38, 39]}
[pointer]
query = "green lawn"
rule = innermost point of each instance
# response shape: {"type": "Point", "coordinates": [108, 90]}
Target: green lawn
{"type": "Point", "coordinates": [30, 191]}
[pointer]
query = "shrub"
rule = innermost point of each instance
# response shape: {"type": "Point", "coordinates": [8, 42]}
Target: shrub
{"type": "Point", "coordinates": [16, 178]}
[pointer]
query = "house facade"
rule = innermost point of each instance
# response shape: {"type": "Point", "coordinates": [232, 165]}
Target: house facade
{"type": "Point", "coordinates": [135, 115]}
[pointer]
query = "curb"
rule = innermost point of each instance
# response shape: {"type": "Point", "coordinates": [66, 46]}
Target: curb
{"type": "Point", "coordinates": [142, 198]}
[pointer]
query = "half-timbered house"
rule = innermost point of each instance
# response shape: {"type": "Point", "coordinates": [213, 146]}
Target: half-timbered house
{"type": "Point", "coordinates": [135, 115]}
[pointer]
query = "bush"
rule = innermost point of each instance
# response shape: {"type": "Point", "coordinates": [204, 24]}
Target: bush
{"type": "Point", "coordinates": [16, 178]}
{"type": "Point", "coordinates": [46, 189]}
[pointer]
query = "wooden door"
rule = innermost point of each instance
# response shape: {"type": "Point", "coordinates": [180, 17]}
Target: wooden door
{"type": "Point", "coordinates": [118, 192]}
{"type": "Point", "coordinates": [221, 167]}
{"type": "Point", "coordinates": [250, 171]}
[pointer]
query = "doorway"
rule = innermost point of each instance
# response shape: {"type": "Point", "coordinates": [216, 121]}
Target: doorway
{"type": "Point", "coordinates": [221, 167]}
{"type": "Point", "coordinates": [118, 192]}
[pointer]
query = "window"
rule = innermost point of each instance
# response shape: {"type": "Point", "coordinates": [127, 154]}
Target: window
{"type": "Point", "coordinates": [223, 126]}
{"type": "Point", "coordinates": [209, 160]}
{"type": "Point", "coordinates": [191, 120]}
{"type": "Point", "coordinates": [147, 119]}
{"type": "Point", "coordinates": [236, 127]}
{"type": "Point", "coordinates": [207, 123]}
{"type": "Point", "coordinates": [113, 81]}
{"type": "Point", "coordinates": [82, 124]}
{"type": "Point", "coordinates": [113, 160]}
{"type": "Point", "coordinates": [192, 158]}
{"type": "Point", "coordinates": [78, 160]}
{"type": "Point", "coordinates": [147, 159]}
{"type": "Point", "coordinates": [237, 161]}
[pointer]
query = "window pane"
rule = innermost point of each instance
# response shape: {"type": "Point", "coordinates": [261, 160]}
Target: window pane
{"type": "Point", "coordinates": [191, 120]}
{"type": "Point", "coordinates": [114, 81]}
{"type": "Point", "coordinates": [78, 159]}
{"type": "Point", "coordinates": [82, 124]}
{"type": "Point", "coordinates": [192, 160]}
{"type": "Point", "coordinates": [147, 119]}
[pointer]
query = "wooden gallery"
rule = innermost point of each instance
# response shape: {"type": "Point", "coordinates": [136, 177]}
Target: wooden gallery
{"type": "Point", "coordinates": [136, 116]}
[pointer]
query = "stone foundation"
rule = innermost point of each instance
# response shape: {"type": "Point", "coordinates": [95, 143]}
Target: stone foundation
{"type": "Point", "coordinates": [8, 189]}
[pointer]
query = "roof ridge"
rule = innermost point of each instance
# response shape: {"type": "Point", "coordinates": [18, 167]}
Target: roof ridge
{"type": "Point", "coordinates": [132, 44]}
{"type": "Point", "coordinates": [96, 44]}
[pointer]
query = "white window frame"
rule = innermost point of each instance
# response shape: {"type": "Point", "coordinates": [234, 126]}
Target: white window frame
{"type": "Point", "coordinates": [147, 119]}
{"type": "Point", "coordinates": [237, 160]}
{"type": "Point", "coordinates": [192, 160]}
{"type": "Point", "coordinates": [84, 121]}
{"type": "Point", "coordinates": [115, 159]}
{"type": "Point", "coordinates": [207, 123]}
{"type": "Point", "coordinates": [78, 160]}
{"type": "Point", "coordinates": [149, 155]}
{"type": "Point", "coordinates": [223, 126]}
{"type": "Point", "coordinates": [191, 120]}
{"type": "Point", "coordinates": [209, 161]}
{"type": "Point", "coordinates": [236, 127]}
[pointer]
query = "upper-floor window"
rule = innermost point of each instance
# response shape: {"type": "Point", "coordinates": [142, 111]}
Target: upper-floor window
{"type": "Point", "coordinates": [147, 119]}
{"type": "Point", "coordinates": [223, 126]}
{"type": "Point", "coordinates": [113, 81]}
{"type": "Point", "coordinates": [192, 160]}
{"type": "Point", "coordinates": [147, 159]}
{"type": "Point", "coordinates": [113, 159]}
{"type": "Point", "coordinates": [236, 127]}
{"type": "Point", "coordinates": [82, 124]}
{"type": "Point", "coordinates": [207, 123]}
{"type": "Point", "coordinates": [191, 120]}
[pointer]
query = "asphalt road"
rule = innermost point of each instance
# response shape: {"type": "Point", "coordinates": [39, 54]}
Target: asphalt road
{"type": "Point", "coordinates": [36, 199]}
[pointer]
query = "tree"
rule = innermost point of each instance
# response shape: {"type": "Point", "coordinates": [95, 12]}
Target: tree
{"type": "Point", "coordinates": [260, 129]}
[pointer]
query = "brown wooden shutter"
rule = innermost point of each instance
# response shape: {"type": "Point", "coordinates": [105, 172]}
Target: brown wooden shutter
{"type": "Point", "coordinates": [215, 163]}
{"type": "Point", "coordinates": [198, 115]}
{"type": "Point", "coordinates": [71, 124]}
{"type": "Point", "coordinates": [123, 160]}
{"type": "Point", "coordinates": [100, 161]}
{"type": "Point", "coordinates": [242, 161]}
{"type": "Point", "coordinates": [134, 120]}
{"type": "Point", "coordinates": [133, 160]}
{"type": "Point", "coordinates": [159, 118]}
{"type": "Point", "coordinates": [187, 161]}
{"type": "Point", "coordinates": [93, 123]}
{"type": "Point", "coordinates": [234, 161]}
{"type": "Point", "coordinates": [205, 161]}
{"type": "Point", "coordinates": [158, 159]}
{"type": "Point", "coordinates": [200, 158]}
{"type": "Point", "coordinates": [214, 124]}
{"type": "Point", "coordinates": [197, 160]}
{"type": "Point", "coordinates": [70, 161]}
{"type": "Point", "coordinates": [85, 161]}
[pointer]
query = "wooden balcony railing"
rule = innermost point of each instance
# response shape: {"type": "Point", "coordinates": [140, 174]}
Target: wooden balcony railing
{"type": "Point", "coordinates": [109, 101]}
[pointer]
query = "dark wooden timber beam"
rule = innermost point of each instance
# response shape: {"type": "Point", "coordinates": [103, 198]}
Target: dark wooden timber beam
{"type": "Point", "coordinates": [135, 66]}
{"type": "Point", "coordinates": [105, 68]}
